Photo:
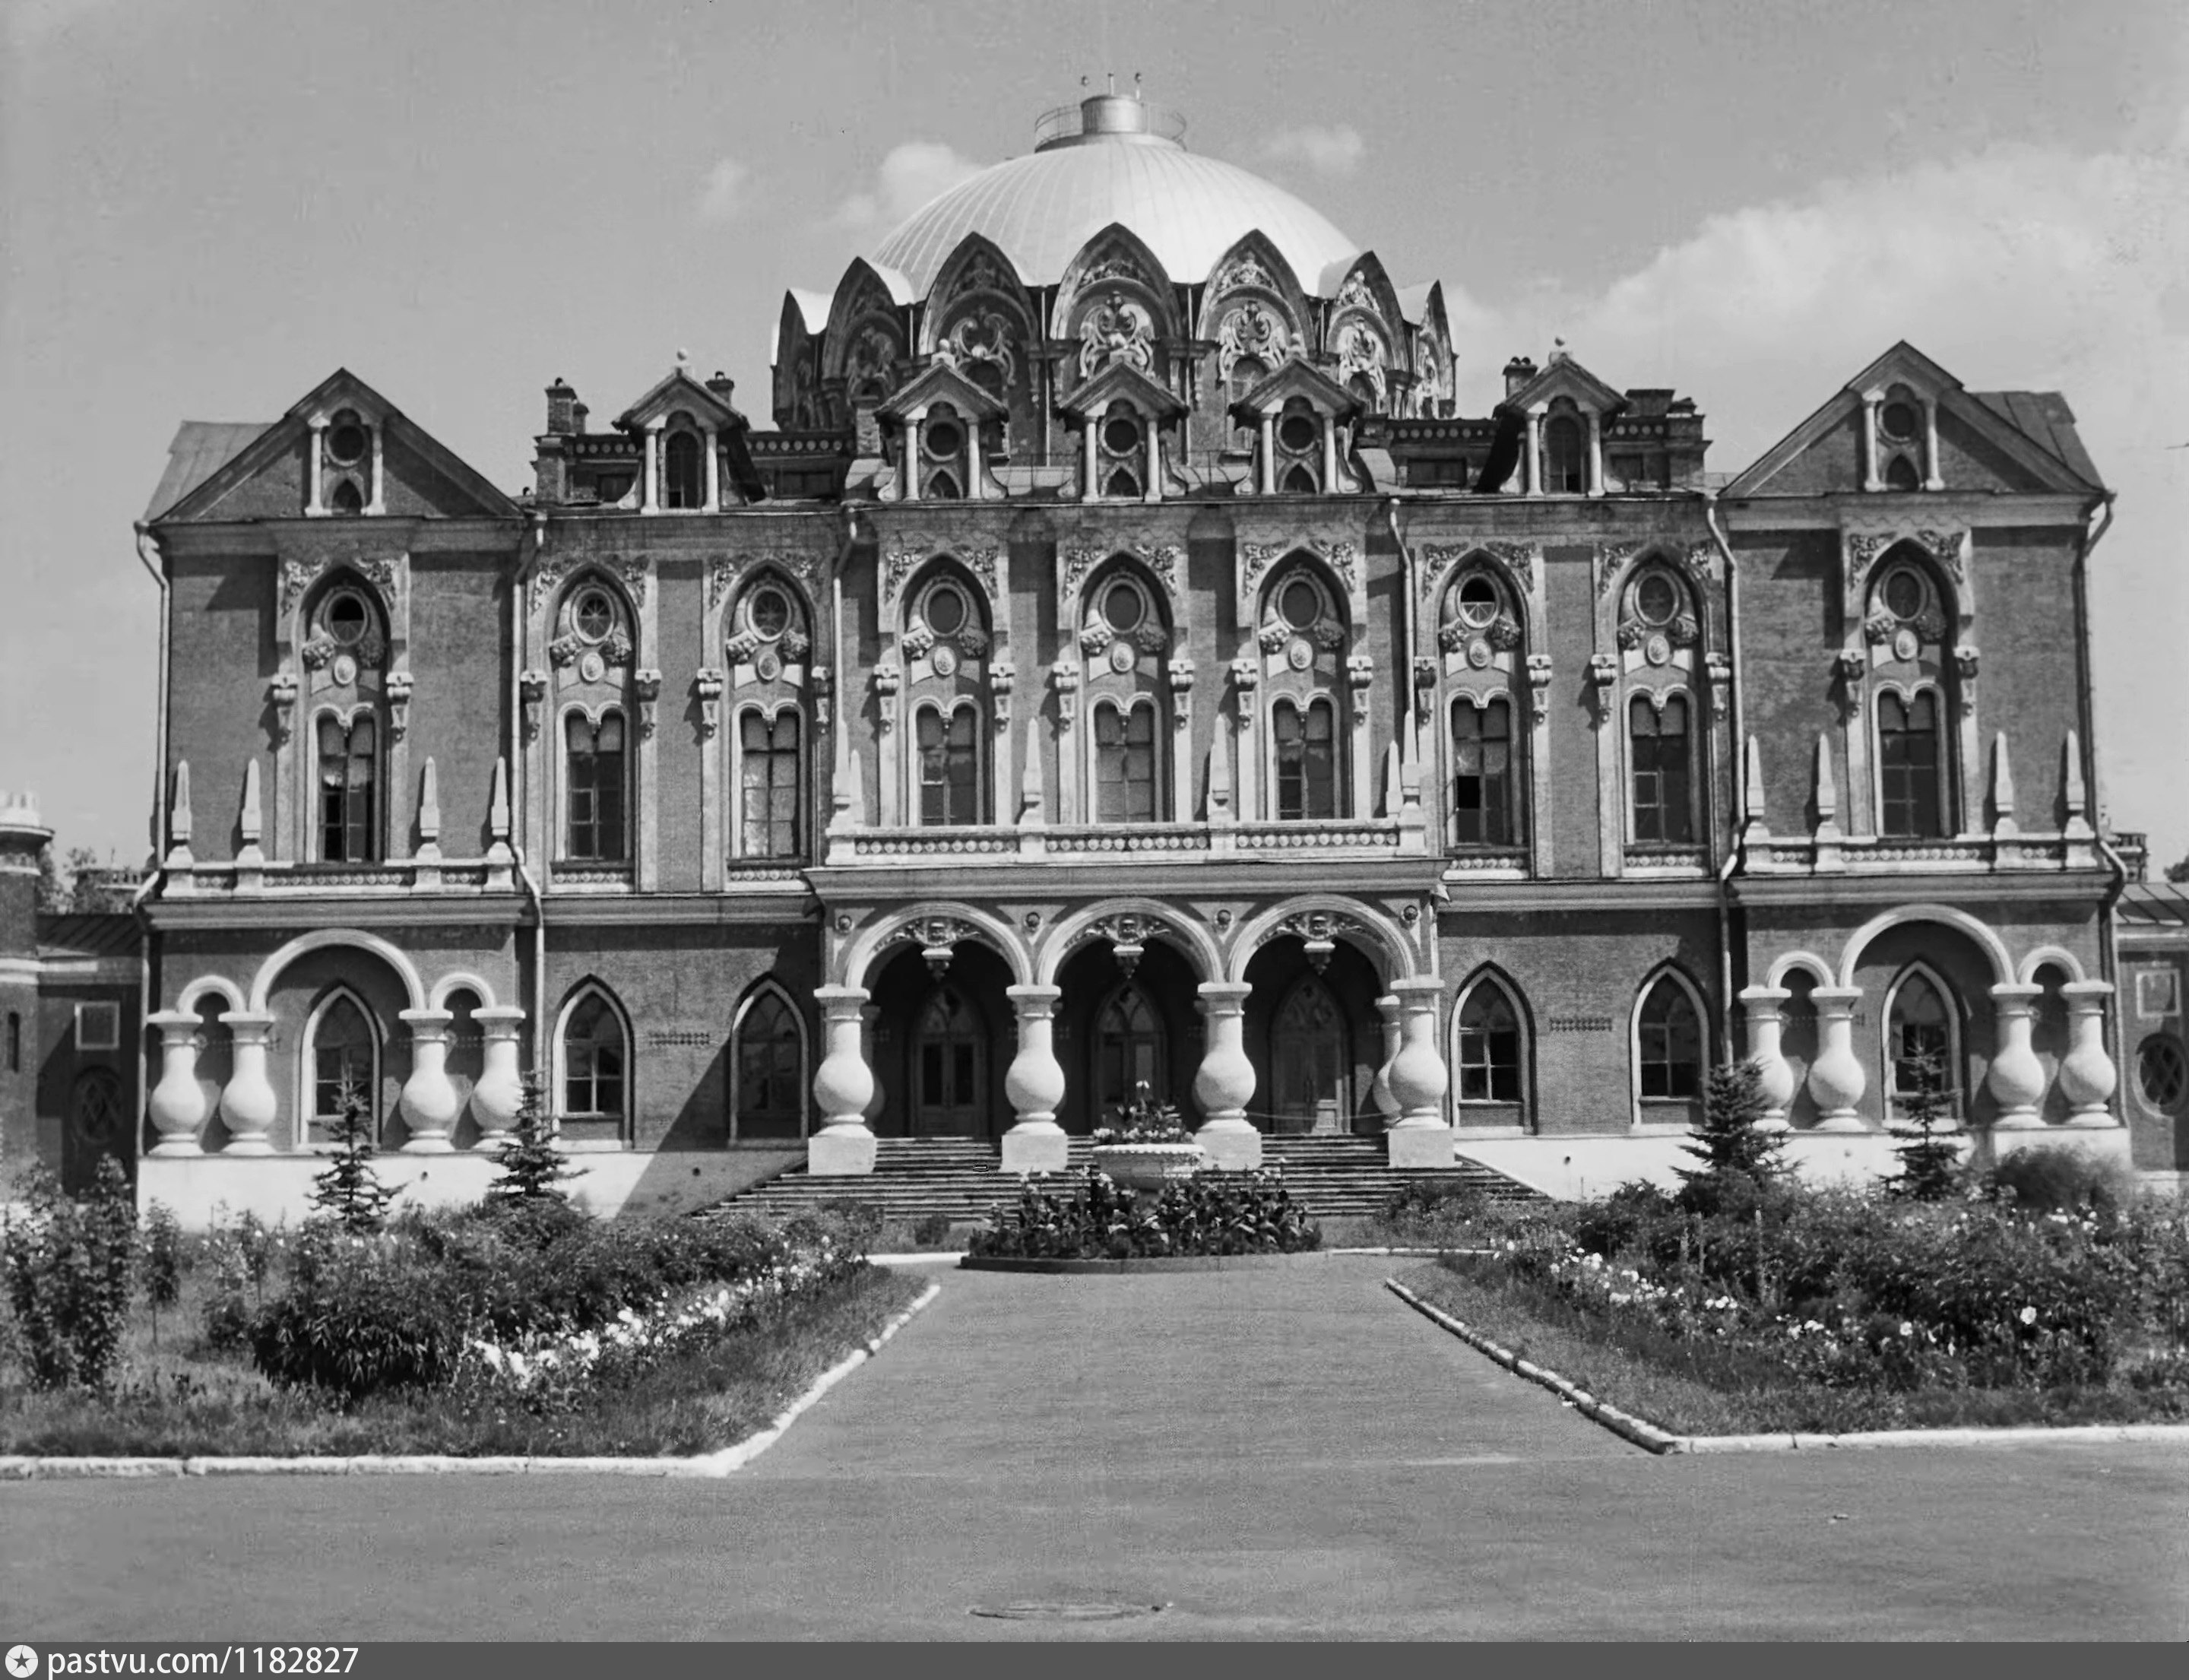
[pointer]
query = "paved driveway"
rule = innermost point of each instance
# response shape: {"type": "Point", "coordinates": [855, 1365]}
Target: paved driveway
{"type": "Point", "coordinates": [1270, 1454]}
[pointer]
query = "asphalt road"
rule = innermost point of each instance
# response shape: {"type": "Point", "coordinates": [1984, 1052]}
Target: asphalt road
{"type": "Point", "coordinates": [1288, 1454]}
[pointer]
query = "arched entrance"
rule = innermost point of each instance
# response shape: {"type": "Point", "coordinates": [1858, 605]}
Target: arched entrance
{"type": "Point", "coordinates": [1115, 1029]}
{"type": "Point", "coordinates": [1315, 1038]}
{"type": "Point", "coordinates": [1310, 1060]}
{"type": "Point", "coordinates": [940, 1043]}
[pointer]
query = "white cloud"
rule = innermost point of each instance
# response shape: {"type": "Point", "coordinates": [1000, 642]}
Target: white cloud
{"type": "Point", "coordinates": [726, 192]}
{"type": "Point", "coordinates": [1328, 152]}
{"type": "Point", "coordinates": [2016, 267]}
{"type": "Point", "coordinates": [912, 174]}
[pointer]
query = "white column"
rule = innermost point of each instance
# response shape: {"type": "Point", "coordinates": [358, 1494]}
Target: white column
{"type": "Point", "coordinates": [246, 1103]}
{"type": "Point", "coordinates": [377, 502]}
{"type": "Point", "coordinates": [1871, 478]}
{"type": "Point", "coordinates": [178, 1103]}
{"type": "Point", "coordinates": [1388, 1007]}
{"type": "Point", "coordinates": [428, 1103]}
{"type": "Point", "coordinates": [842, 1086]}
{"type": "Point", "coordinates": [2017, 1077]}
{"type": "Point", "coordinates": [500, 1092]}
{"type": "Point", "coordinates": [2087, 1075]}
{"type": "Point", "coordinates": [915, 446]}
{"type": "Point", "coordinates": [709, 439]}
{"type": "Point", "coordinates": [1932, 479]}
{"type": "Point", "coordinates": [1531, 479]}
{"type": "Point", "coordinates": [1760, 1006]}
{"type": "Point", "coordinates": [648, 497]}
{"type": "Point", "coordinates": [1091, 457]}
{"type": "Point", "coordinates": [315, 497]}
{"type": "Point", "coordinates": [1267, 467]}
{"type": "Point", "coordinates": [1420, 1136]}
{"type": "Point", "coordinates": [1035, 1085]}
{"type": "Point", "coordinates": [1595, 453]}
{"type": "Point", "coordinates": [1837, 1081]}
{"type": "Point", "coordinates": [1330, 455]}
{"type": "Point", "coordinates": [1225, 1084]}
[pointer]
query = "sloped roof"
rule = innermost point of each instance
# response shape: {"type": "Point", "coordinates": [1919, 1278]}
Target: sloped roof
{"type": "Point", "coordinates": [202, 448]}
{"type": "Point", "coordinates": [2044, 417]}
{"type": "Point", "coordinates": [89, 933]}
{"type": "Point", "coordinates": [2156, 904]}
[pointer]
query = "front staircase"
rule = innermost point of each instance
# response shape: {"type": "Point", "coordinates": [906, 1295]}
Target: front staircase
{"type": "Point", "coordinates": [959, 1179]}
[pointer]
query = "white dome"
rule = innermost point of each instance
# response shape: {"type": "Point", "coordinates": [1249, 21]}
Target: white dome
{"type": "Point", "coordinates": [1113, 166]}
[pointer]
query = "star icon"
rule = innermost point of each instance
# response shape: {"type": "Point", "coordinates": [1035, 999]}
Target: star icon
{"type": "Point", "coordinates": [22, 1662]}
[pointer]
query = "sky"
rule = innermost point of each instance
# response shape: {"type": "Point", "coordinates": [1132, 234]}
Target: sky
{"type": "Point", "coordinates": [208, 206]}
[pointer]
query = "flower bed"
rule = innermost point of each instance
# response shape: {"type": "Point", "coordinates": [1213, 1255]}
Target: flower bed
{"type": "Point", "coordinates": [1211, 1214]}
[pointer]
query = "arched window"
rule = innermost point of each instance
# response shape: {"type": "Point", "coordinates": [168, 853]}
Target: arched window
{"type": "Point", "coordinates": [1669, 1042]}
{"type": "Point", "coordinates": [1658, 745]}
{"type": "Point", "coordinates": [1125, 764]}
{"type": "Point", "coordinates": [769, 1060]}
{"type": "Point", "coordinates": [595, 1069]}
{"type": "Point", "coordinates": [1310, 1055]}
{"type": "Point", "coordinates": [682, 482]}
{"type": "Point", "coordinates": [950, 767]}
{"type": "Point", "coordinates": [95, 1113]}
{"type": "Point", "coordinates": [1306, 749]}
{"type": "Point", "coordinates": [344, 1061]}
{"type": "Point", "coordinates": [1902, 475]}
{"type": "Point", "coordinates": [349, 760]}
{"type": "Point", "coordinates": [1481, 773]}
{"type": "Point", "coordinates": [1300, 480]}
{"type": "Point", "coordinates": [1129, 1049]}
{"type": "Point", "coordinates": [595, 788]}
{"type": "Point", "coordinates": [770, 805]}
{"type": "Point", "coordinates": [1920, 1038]}
{"type": "Point", "coordinates": [1908, 767]}
{"type": "Point", "coordinates": [1564, 469]}
{"type": "Point", "coordinates": [348, 498]}
{"type": "Point", "coordinates": [1489, 1045]}
{"type": "Point", "coordinates": [1122, 485]}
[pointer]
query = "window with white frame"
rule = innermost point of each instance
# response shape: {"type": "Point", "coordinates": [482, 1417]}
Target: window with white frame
{"type": "Point", "coordinates": [1491, 1063]}
{"type": "Point", "coordinates": [1904, 626]}
{"type": "Point", "coordinates": [342, 1065]}
{"type": "Point", "coordinates": [1922, 1045]}
{"type": "Point", "coordinates": [98, 1026]}
{"type": "Point", "coordinates": [1668, 1043]}
{"type": "Point", "coordinates": [594, 788]}
{"type": "Point", "coordinates": [595, 1068]}
{"type": "Point", "coordinates": [1303, 638]}
{"type": "Point", "coordinates": [769, 1062]}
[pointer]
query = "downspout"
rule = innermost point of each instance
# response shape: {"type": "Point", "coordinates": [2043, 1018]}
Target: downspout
{"type": "Point", "coordinates": [520, 795]}
{"type": "Point", "coordinates": [1737, 767]}
{"type": "Point", "coordinates": [148, 548]}
{"type": "Point", "coordinates": [2098, 522]}
{"type": "Point", "coordinates": [1410, 743]}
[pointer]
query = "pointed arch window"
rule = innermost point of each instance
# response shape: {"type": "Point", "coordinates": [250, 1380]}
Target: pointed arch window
{"type": "Point", "coordinates": [1129, 1049]}
{"type": "Point", "coordinates": [1489, 1052]}
{"type": "Point", "coordinates": [770, 763]}
{"type": "Point", "coordinates": [349, 770]}
{"type": "Point", "coordinates": [595, 1068]}
{"type": "Point", "coordinates": [1908, 759]}
{"type": "Point", "coordinates": [1658, 746]}
{"type": "Point", "coordinates": [594, 788]}
{"type": "Point", "coordinates": [347, 498]}
{"type": "Point", "coordinates": [344, 1057]}
{"type": "Point", "coordinates": [1307, 759]}
{"type": "Point", "coordinates": [682, 478]}
{"type": "Point", "coordinates": [1669, 1042]}
{"type": "Point", "coordinates": [1920, 1037]}
{"type": "Point", "coordinates": [770, 1060]}
{"type": "Point", "coordinates": [949, 766]}
{"type": "Point", "coordinates": [1565, 471]}
{"type": "Point", "coordinates": [1125, 789]}
{"type": "Point", "coordinates": [1481, 773]}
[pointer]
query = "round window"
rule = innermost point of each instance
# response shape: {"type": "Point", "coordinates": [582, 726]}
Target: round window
{"type": "Point", "coordinates": [594, 616]}
{"type": "Point", "coordinates": [770, 614]}
{"type": "Point", "coordinates": [1477, 603]}
{"type": "Point", "coordinates": [944, 439]}
{"type": "Point", "coordinates": [347, 617]}
{"type": "Point", "coordinates": [2162, 1070]}
{"type": "Point", "coordinates": [1656, 600]}
{"type": "Point", "coordinates": [1121, 434]}
{"type": "Point", "coordinates": [1123, 609]}
{"type": "Point", "coordinates": [946, 610]}
{"type": "Point", "coordinates": [1296, 432]}
{"type": "Point", "coordinates": [1898, 420]}
{"type": "Point", "coordinates": [346, 439]}
{"type": "Point", "coordinates": [1299, 605]}
{"type": "Point", "coordinates": [1904, 595]}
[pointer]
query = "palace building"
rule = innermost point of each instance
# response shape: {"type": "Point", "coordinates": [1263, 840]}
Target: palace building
{"type": "Point", "coordinates": [1126, 658]}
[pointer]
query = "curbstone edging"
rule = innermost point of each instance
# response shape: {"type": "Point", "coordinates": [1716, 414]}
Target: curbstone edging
{"type": "Point", "coordinates": [23, 1467]}
{"type": "Point", "coordinates": [1649, 1436]}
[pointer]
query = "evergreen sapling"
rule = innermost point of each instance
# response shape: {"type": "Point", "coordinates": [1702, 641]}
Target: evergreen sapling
{"type": "Point", "coordinates": [350, 1189]}
{"type": "Point", "coordinates": [1930, 1155]}
{"type": "Point", "coordinates": [532, 1166]}
{"type": "Point", "coordinates": [1740, 1161]}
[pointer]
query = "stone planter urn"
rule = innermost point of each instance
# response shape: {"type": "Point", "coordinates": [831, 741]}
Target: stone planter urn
{"type": "Point", "coordinates": [1145, 1168]}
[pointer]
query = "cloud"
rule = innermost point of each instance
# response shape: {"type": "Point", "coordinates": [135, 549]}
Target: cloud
{"type": "Point", "coordinates": [725, 193]}
{"type": "Point", "coordinates": [912, 174]}
{"type": "Point", "coordinates": [1328, 152]}
{"type": "Point", "coordinates": [2017, 267]}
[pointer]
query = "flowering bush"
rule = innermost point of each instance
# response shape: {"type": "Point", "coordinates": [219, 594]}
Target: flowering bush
{"type": "Point", "coordinates": [1208, 1213]}
{"type": "Point", "coordinates": [1144, 1120]}
{"type": "Point", "coordinates": [69, 1263]}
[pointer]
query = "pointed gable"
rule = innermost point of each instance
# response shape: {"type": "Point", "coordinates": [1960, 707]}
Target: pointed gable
{"type": "Point", "coordinates": [1323, 394]}
{"type": "Point", "coordinates": [1121, 382]}
{"type": "Point", "coordinates": [681, 392]}
{"type": "Point", "coordinates": [942, 382]}
{"type": "Point", "coordinates": [1565, 377]}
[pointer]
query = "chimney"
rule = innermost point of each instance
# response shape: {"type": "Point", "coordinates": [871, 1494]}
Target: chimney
{"type": "Point", "coordinates": [580, 411]}
{"type": "Point", "coordinates": [1518, 372]}
{"type": "Point", "coordinates": [562, 408]}
{"type": "Point", "coordinates": [721, 385]}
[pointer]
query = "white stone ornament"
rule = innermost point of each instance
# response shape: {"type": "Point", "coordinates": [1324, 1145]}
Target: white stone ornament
{"type": "Point", "coordinates": [1122, 658]}
{"type": "Point", "coordinates": [1658, 649]}
{"type": "Point", "coordinates": [344, 671]}
{"type": "Point", "coordinates": [591, 667]}
{"type": "Point", "coordinates": [944, 660]}
{"type": "Point", "coordinates": [1478, 653]}
{"type": "Point", "coordinates": [1905, 645]}
{"type": "Point", "coordinates": [1299, 656]}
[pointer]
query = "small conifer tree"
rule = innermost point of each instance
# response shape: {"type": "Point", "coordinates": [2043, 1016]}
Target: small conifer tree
{"type": "Point", "coordinates": [1930, 1156]}
{"type": "Point", "coordinates": [350, 1189]}
{"type": "Point", "coordinates": [532, 1165]}
{"type": "Point", "coordinates": [1741, 1161]}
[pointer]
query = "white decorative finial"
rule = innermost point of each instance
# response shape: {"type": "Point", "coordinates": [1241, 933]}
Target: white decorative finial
{"type": "Point", "coordinates": [683, 359]}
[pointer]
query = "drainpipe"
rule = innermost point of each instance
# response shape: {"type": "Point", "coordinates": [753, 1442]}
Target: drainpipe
{"type": "Point", "coordinates": [148, 552]}
{"type": "Point", "coordinates": [520, 795]}
{"type": "Point", "coordinates": [2097, 522]}
{"type": "Point", "coordinates": [1410, 746]}
{"type": "Point", "coordinates": [1738, 767]}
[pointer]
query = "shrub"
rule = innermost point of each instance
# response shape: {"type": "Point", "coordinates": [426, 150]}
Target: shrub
{"type": "Point", "coordinates": [1740, 1162]}
{"type": "Point", "coordinates": [159, 1261]}
{"type": "Point", "coordinates": [1930, 1156]}
{"type": "Point", "coordinates": [350, 1189]}
{"type": "Point", "coordinates": [70, 1266]}
{"type": "Point", "coordinates": [929, 1229]}
{"type": "Point", "coordinates": [1619, 1222]}
{"type": "Point", "coordinates": [370, 1316]}
{"type": "Point", "coordinates": [532, 1166]}
{"type": "Point", "coordinates": [1209, 1213]}
{"type": "Point", "coordinates": [1435, 1201]}
{"type": "Point", "coordinates": [2061, 1179]}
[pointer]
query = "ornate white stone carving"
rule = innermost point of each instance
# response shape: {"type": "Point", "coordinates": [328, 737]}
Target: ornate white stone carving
{"type": "Point", "coordinates": [1115, 329]}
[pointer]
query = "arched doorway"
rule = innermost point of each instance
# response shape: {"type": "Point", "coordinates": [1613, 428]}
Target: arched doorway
{"type": "Point", "coordinates": [98, 1128]}
{"type": "Point", "coordinates": [1315, 1038]}
{"type": "Point", "coordinates": [1129, 1049]}
{"type": "Point", "coordinates": [949, 1068]}
{"type": "Point", "coordinates": [1311, 1061]}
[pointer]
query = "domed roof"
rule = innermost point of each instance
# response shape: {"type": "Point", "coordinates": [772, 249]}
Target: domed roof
{"type": "Point", "coordinates": [1110, 159]}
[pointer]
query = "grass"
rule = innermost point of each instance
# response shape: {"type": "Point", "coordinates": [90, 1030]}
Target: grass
{"type": "Point", "coordinates": [186, 1397]}
{"type": "Point", "coordinates": [1698, 1387]}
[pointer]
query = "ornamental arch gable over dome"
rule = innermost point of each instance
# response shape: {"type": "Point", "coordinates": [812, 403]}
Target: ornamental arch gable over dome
{"type": "Point", "coordinates": [1116, 298]}
{"type": "Point", "coordinates": [865, 345]}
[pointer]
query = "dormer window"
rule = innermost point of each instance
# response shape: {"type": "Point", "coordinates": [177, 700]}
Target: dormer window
{"type": "Point", "coordinates": [1565, 462]}
{"type": "Point", "coordinates": [942, 440]}
{"type": "Point", "coordinates": [682, 485]}
{"type": "Point", "coordinates": [1901, 441]}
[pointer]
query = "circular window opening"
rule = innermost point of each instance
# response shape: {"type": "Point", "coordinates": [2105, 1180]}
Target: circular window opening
{"type": "Point", "coordinates": [2162, 1070]}
{"type": "Point", "coordinates": [1656, 600]}
{"type": "Point", "coordinates": [1898, 420]}
{"type": "Point", "coordinates": [346, 439]}
{"type": "Point", "coordinates": [1297, 432]}
{"type": "Point", "coordinates": [1904, 595]}
{"type": "Point", "coordinates": [946, 610]}
{"type": "Point", "coordinates": [771, 614]}
{"type": "Point", "coordinates": [1298, 605]}
{"type": "Point", "coordinates": [1478, 602]}
{"type": "Point", "coordinates": [347, 619]}
{"type": "Point", "coordinates": [1121, 434]}
{"type": "Point", "coordinates": [944, 439]}
{"type": "Point", "coordinates": [593, 616]}
{"type": "Point", "coordinates": [1122, 607]}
